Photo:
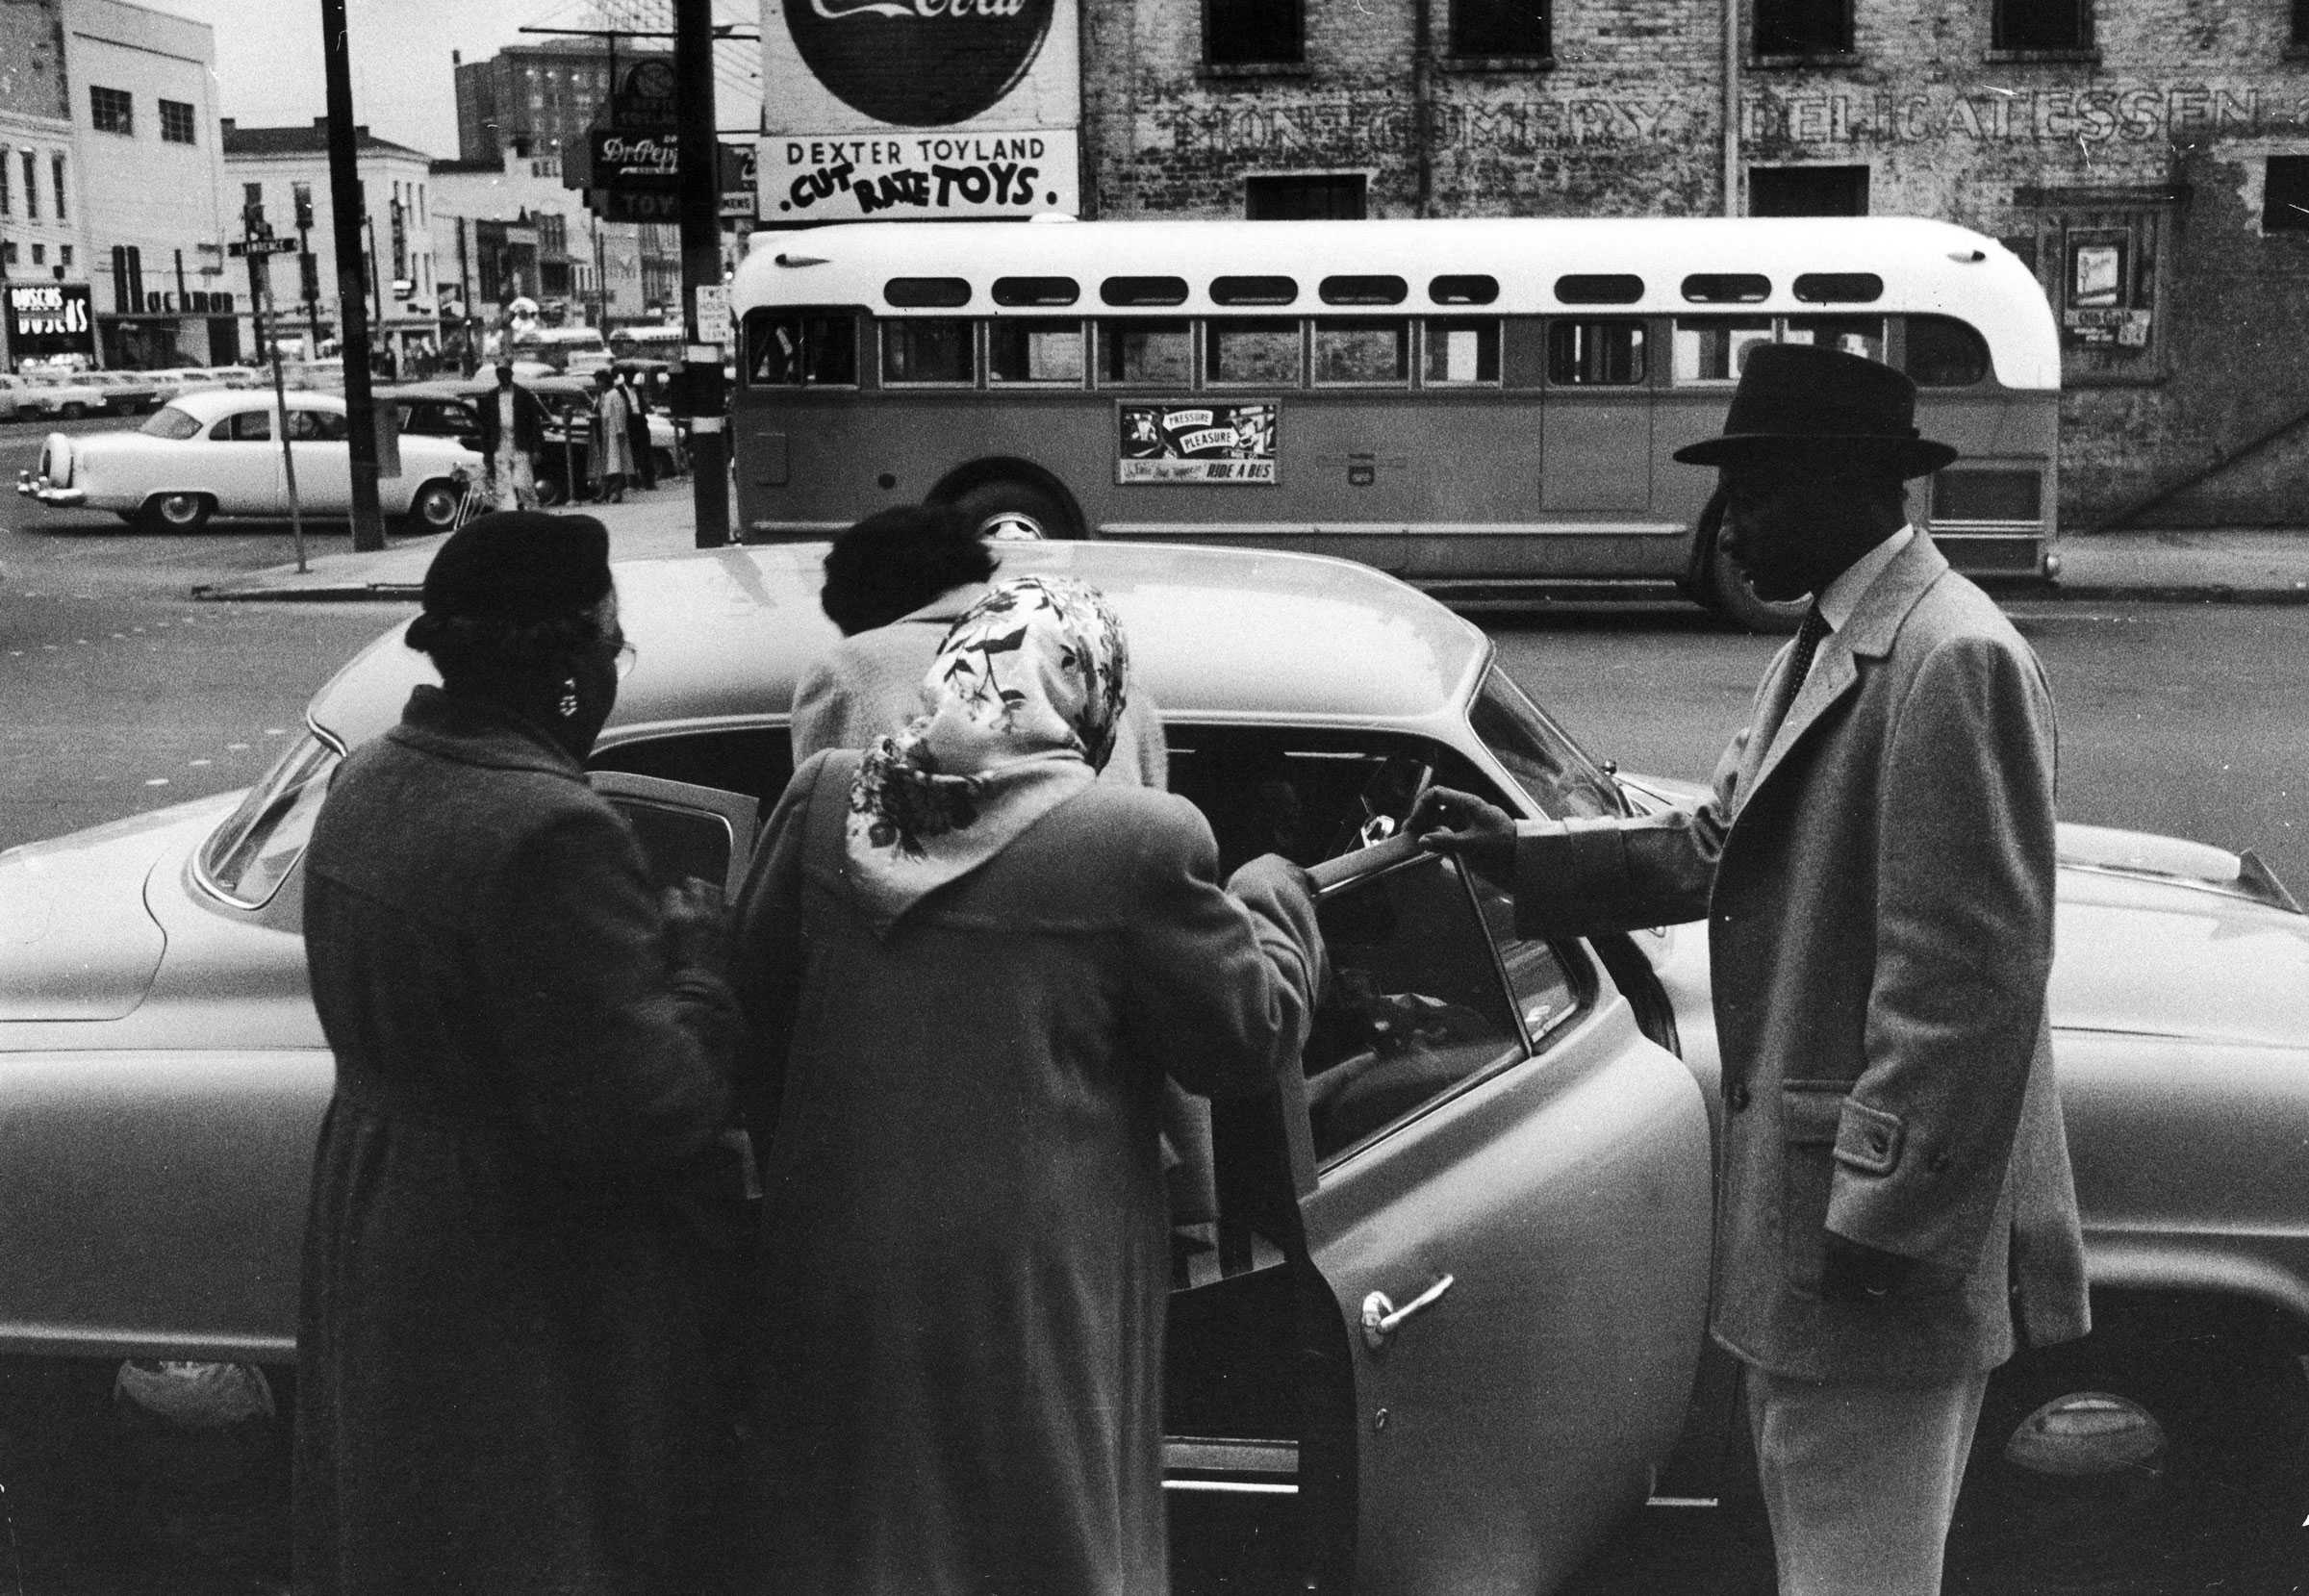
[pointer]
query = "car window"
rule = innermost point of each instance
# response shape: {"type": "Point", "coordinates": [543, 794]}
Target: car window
{"type": "Point", "coordinates": [248, 427]}
{"type": "Point", "coordinates": [1415, 1008]}
{"type": "Point", "coordinates": [171, 423]}
{"type": "Point", "coordinates": [316, 426]}
{"type": "Point", "coordinates": [754, 760]}
{"type": "Point", "coordinates": [1548, 984]}
{"type": "Point", "coordinates": [247, 858]}
{"type": "Point", "coordinates": [1545, 763]}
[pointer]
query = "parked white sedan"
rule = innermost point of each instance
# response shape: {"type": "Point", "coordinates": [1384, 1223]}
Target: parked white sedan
{"type": "Point", "coordinates": [218, 452]}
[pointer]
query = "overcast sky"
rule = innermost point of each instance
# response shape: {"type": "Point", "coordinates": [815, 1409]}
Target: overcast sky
{"type": "Point", "coordinates": [269, 66]}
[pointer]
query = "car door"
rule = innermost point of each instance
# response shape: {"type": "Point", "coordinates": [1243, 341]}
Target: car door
{"type": "Point", "coordinates": [1509, 1210]}
{"type": "Point", "coordinates": [321, 444]}
{"type": "Point", "coordinates": [240, 463]}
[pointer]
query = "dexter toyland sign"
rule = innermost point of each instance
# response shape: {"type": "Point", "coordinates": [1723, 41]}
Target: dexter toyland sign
{"type": "Point", "coordinates": [992, 174]}
{"type": "Point", "coordinates": [1231, 442]}
{"type": "Point", "coordinates": [899, 109]}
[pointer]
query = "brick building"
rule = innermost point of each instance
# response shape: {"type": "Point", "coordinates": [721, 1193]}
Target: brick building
{"type": "Point", "coordinates": [2150, 157]}
{"type": "Point", "coordinates": [535, 99]}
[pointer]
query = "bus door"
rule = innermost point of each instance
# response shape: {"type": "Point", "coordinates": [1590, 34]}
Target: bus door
{"type": "Point", "coordinates": [1597, 419]}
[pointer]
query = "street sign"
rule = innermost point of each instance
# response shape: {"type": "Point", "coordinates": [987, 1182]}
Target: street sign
{"type": "Point", "coordinates": [713, 312]}
{"type": "Point", "coordinates": [737, 180]}
{"type": "Point", "coordinates": [260, 247]}
{"type": "Point", "coordinates": [647, 96]}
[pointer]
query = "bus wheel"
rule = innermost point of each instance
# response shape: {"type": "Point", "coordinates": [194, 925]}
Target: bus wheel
{"type": "Point", "coordinates": [1016, 512]}
{"type": "Point", "coordinates": [1731, 596]}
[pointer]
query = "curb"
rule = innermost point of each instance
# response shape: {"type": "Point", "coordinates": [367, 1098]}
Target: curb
{"type": "Point", "coordinates": [342, 592]}
{"type": "Point", "coordinates": [2181, 593]}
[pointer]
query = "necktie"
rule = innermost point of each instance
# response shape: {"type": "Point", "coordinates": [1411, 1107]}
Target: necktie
{"type": "Point", "coordinates": [1799, 666]}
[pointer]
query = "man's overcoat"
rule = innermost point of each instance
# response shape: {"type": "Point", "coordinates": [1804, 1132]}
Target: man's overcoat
{"type": "Point", "coordinates": [1878, 885]}
{"type": "Point", "coordinates": [504, 1385]}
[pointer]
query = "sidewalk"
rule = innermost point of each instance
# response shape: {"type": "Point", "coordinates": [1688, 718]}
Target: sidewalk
{"type": "Point", "coordinates": [2240, 566]}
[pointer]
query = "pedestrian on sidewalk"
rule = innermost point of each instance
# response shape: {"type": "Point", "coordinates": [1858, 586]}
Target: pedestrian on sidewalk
{"type": "Point", "coordinates": [611, 455]}
{"type": "Point", "coordinates": [519, 1235]}
{"type": "Point", "coordinates": [970, 966]}
{"type": "Point", "coordinates": [512, 430]}
{"type": "Point", "coordinates": [1876, 865]}
{"type": "Point", "coordinates": [637, 427]}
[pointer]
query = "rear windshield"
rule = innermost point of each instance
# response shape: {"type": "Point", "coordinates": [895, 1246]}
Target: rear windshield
{"type": "Point", "coordinates": [247, 857]}
{"type": "Point", "coordinates": [169, 421]}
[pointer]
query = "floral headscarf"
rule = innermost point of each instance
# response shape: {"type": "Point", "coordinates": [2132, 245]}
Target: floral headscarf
{"type": "Point", "coordinates": [1026, 693]}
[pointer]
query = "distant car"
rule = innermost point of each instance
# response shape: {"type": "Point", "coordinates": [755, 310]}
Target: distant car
{"type": "Point", "coordinates": [67, 396]}
{"type": "Point", "coordinates": [1446, 1324]}
{"type": "Point", "coordinates": [218, 452]}
{"type": "Point", "coordinates": [132, 394]}
{"type": "Point", "coordinates": [11, 394]}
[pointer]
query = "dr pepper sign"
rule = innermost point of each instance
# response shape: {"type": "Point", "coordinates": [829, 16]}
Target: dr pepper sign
{"type": "Point", "coordinates": [911, 109]}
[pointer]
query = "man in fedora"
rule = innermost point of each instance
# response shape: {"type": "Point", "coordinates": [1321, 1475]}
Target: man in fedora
{"type": "Point", "coordinates": [1875, 864]}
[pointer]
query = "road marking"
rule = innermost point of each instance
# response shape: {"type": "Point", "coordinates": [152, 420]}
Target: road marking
{"type": "Point", "coordinates": [198, 763]}
{"type": "Point", "coordinates": [157, 781]}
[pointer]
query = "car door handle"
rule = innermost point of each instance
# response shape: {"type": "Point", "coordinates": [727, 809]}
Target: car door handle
{"type": "Point", "coordinates": [1380, 1317]}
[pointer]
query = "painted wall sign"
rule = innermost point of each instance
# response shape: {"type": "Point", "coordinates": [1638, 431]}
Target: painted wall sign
{"type": "Point", "coordinates": [913, 108]}
{"type": "Point", "coordinates": [2121, 112]}
{"type": "Point", "coordinates": [45, 319]}
{"type": "Point", "coordinates": [975, 174]}
{"type": "Point", "coordinates": [1199, 443]}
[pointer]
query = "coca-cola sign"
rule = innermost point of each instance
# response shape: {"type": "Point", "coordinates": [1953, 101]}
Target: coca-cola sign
{"type": "Point", "coordinates": [919, 63]}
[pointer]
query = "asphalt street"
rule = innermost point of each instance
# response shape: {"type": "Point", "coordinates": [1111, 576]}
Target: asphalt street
{"type": "Point", "coordinates": [123, 694]}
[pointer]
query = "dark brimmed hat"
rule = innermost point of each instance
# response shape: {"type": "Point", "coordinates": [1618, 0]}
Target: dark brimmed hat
{"type": "Point", "coordinates": [520, 565]}
{"type": "Point", "coordinates": [1799, 401]}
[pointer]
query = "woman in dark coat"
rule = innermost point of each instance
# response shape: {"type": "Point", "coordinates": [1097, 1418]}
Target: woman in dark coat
{"type": "Point", "coordinates": [503, 1380]}
{"type": "Point", "coordinates": [972, 965]}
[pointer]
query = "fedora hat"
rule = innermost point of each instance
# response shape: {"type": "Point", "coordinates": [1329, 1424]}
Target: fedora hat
{"type": "Point", "coordinates": [1797, 400]}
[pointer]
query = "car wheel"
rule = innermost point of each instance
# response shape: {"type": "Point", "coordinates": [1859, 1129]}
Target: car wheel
{"type": "Point", "coordinates": [434, 508]}
{"type": "Point", "coordinates": [1017, 512]}
{"type": "Point", "coordinates": [2153, 1451]}
{"type": "Point", "coordinates": [1731, 596]}
{"type": "Point", "coordinates": [72, 412]}
{"type": "Point", "coordinates": [178, 513]}
{"type": "Point", "coordinates": [551, 491]}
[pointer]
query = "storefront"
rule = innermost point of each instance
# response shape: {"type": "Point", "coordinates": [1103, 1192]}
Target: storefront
{"type": "Point", "coordinates": [49, 321]}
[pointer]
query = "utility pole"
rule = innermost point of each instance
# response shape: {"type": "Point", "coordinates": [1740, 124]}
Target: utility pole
{"type": "Point", "coordinates": [352, 314]}
{"type": "Point", "coordinates": [699, 160]}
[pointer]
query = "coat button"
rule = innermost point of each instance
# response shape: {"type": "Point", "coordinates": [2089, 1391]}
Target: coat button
{"type": "Point", "coordinates": [1737, 1098]}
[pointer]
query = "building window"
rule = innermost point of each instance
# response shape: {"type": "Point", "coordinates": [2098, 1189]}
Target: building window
{"type": "Point", "coordinates": [2043, 25]}
{"type": "Point", "coordinates": [64, 254]}
{"type": "Point", "coordinates": [110, 110]}
{"type": "Point", "coordinates": [39, 254]}
{"type": "Point", "coordinates": [56, 170]}
{"type": "Point", "coordinates": [176, 122]}
{"type": "Point", "coordinates": [1500, 28]}
{"type": "Point", "coordinates": [1320, 196]}
{"type": "Point", "coordinates": [1803, 27]}
{"type": "Point", "coordinates": [8, 252]}
{"type": "Point", "coordinates": [1808, 191]}
{"type": "Point", "coordinates": [31, 189]}
{"type": "Point", "coordinates": [8, 189]}
{"type": "Point", "coordinates": [2285, 195]}
{"type": "Point", "coordinates": [1251, 33]}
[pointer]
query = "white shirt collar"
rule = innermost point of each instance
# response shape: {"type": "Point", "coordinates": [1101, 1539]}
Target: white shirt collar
{"type": "Point", "coordinates": [1841, 597]}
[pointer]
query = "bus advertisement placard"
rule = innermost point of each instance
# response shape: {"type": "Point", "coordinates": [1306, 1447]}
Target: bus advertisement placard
{"type": "Point", "coordinates": [1199, 442]}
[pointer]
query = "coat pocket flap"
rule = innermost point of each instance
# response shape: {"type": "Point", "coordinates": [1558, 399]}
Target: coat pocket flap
{"type": "Point", "coordinates": [1810, 1115]}
{"type": "Point", "coordinates": [1868, 1139]}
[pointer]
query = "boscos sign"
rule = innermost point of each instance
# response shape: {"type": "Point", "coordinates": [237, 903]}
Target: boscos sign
{"type": "Point", "coordinates": [943, 108]}
{"type": "Point", "coordinates": [45, 319]}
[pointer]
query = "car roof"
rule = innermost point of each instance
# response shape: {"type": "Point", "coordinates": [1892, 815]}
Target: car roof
{"type": "Point", "coordinates": [1215, 634]}
{"type": "Point", "coordinates": [207, 404]}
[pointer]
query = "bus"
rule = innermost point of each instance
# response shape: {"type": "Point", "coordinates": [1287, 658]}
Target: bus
{"type": "Point", "coordinates": [1486, 407]}
{"type": "Point", "coordinates": [646, 342]}
{"type": "Point", "coordinates": [575, 350]}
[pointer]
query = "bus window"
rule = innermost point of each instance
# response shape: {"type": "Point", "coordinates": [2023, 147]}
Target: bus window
{"type": "Point", "coordinates": [1264, 352]}
{"type": "Point", "coordinates": [1147, 352]}
{"type": "Point", "coordinates": [1253, 291]}
{"type": "Point", "coordinates": [1459, 353]}
{"type": "Point", "coordinates": [930, 349]}
{"type": "Point", "coordinates": [786, 347]}
{"type": "Point", "coordinates": [1028, 351]}
{"type": "Point", "coordinates": [1036, 290]}
{"type": "Point", "coordinates": [1463, 289]}
{"type": "Point", "coordinates": [1595, 354]}
{"type": "Point", "coordinates": [1364, 352]}
{"type": "Point", "coordinates": [1854, 334]}
{"type": "Point", "coordinates": [1942, 352]}
{"type": "Point", "coordinates": [1363, 290]}
{"type": "Point", "coordinates": [1727, 287]}
{"type": "Point", "coordinates": [1714, 350]}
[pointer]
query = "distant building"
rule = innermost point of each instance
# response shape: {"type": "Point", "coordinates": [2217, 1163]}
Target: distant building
{"type": "Point", "coordinates": [535, 99]}
{"type": "Point", "coordinates": [270, 164]}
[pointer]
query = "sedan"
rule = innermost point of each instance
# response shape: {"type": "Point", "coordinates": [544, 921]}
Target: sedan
{"type": "Point", "coordinates": [66, 395]}
{"type": "Point", "coordinates": [218, 452]}
{"type": "Point", "coordinates": [1446, 1327]}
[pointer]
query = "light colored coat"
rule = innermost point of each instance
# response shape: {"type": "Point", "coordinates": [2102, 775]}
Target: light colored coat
{"type": "Point", "coordinates": [1879, 891]}
{"type": "Point", "coordinates": [963, 1236]}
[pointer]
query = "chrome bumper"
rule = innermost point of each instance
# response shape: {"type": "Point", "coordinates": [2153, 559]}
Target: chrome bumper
{"type": "Point", "coordinates": [35, 485]}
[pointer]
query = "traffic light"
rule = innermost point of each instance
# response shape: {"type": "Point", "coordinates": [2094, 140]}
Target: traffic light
{"type": "Point", "coordinates": [304, 208]}
{"type": "Point", "coordinates": [252, 210]}
{"type": "Point", "coordinates": [307, 268]}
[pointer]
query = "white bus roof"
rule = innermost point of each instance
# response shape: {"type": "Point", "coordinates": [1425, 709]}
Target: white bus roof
{"type": "Point", "coordinates": [1926, 267]}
